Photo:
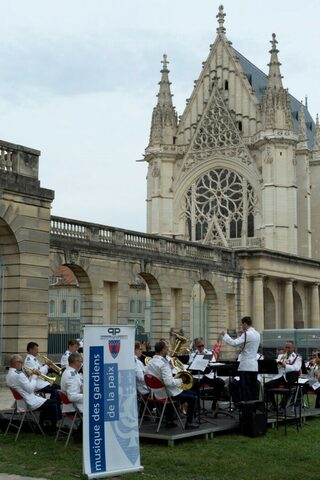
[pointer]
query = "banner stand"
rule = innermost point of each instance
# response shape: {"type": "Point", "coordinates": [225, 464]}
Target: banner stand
{"type": "Point", "coordinates": [110, 417]}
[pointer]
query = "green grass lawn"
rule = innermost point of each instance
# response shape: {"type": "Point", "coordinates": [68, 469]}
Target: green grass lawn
{"type": "Point", "coordinates": [230, 456]}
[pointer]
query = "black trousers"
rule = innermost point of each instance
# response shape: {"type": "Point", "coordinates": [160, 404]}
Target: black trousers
{"type": "Point", "coordinates": [248, 386]}
{"type": "Point", "coordinates": [235, 392]}
{"type": "Point", "coordinates": [48, 415]}
{"type": "Point", "coordinates": [190, 398]}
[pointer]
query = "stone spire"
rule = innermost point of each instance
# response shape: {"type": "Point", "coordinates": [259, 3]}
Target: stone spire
{"type": "Point", "coordinates": [303, 137]}
{"type": "Point", "coordinates": [220, 16]}
{"type": "Point", "coordinates": [164, 116]}
{"type": "Point", "coordinates": [275, 103]}
{"type": "Point", "coordinates": [274, 77]}
{"type": "Point", "coordinates": [317, 134]}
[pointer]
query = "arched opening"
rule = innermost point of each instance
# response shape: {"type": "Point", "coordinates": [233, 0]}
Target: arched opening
{"type": "Point", "coordinates": [9, 293]}
{"type": "Point", "coordinates": [297, 310]}
{"type": "Point", "coordinates": [269, 309]}
{"type": "Point", "coordinates": [148, 315]}
{"type": "Point", "coordinates": [70, 307]}
{"type": "Point", "coordinates": [204, 312]}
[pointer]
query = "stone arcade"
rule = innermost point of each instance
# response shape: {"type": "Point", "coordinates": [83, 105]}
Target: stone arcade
{"type": "Point", "coordinates": [233, 192]}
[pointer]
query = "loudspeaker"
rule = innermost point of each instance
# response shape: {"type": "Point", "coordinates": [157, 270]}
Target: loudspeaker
{"type": "Point", "coordinates": [253, 420]}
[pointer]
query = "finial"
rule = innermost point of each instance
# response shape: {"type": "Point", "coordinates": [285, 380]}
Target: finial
{"type": "Point", "coordinates": [317, 120]}
{"type": "Point", "coordinates": [306, 101]}
{"type": "Point", "coordinates": [274, 44]}
{"type": "Point", "coordinates": [165, 62]}
{"type": "Point", "coordinates": [220, 18]}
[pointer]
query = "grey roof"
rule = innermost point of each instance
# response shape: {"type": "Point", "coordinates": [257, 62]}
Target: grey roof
{"type": "Point", "coordinates": [259, 80]}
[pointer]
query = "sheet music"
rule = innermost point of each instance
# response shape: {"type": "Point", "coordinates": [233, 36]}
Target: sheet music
{"type": "Point", "coordinates": [199, 363]}
{"type": "Point", "coordinates": [302, 381]}
{"type": "Point", "coordinates": [216, 364]}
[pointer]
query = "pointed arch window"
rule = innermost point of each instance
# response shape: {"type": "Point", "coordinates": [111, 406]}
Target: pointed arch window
{"type": "Point", "coordinates": [220, 207]}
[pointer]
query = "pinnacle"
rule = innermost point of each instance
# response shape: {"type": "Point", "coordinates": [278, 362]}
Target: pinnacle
{"type": "Point", "coordinates": [220, 16]}
{"type": "Point", "coordinates": [164, 95]}
{"type": "Point", "coordinates": [274, 77]}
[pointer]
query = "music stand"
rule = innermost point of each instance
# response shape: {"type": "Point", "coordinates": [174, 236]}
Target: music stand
{"type": "Point", "coordinates": [267, 367]}
{"type": "Point", "coordinates": [199, 365]}
{"type": "Point", "coordinates": [228, 369]}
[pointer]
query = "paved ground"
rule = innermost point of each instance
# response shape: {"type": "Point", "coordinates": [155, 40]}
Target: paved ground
{"type": "Point", "coordinates": [6, 400]}
{"type": "Point", "coordinates": [6, 476]}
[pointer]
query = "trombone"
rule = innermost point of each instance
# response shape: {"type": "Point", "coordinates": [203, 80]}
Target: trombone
{"type": "Point", "coordinates": [34, 371]}
{"type": "Point", "coordinates": [50, 364]}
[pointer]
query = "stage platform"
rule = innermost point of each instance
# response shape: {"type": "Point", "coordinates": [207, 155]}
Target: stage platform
{"type": "Point", "coordinates": [210, 427]}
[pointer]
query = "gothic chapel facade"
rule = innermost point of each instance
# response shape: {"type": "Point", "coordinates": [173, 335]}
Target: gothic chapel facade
{"type": "Point", "coordinates": [240, 168]}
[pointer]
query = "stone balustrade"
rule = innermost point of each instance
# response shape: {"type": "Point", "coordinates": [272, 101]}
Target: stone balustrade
{"type": "Point", "coordinates": [18, 159]}
{"type": "Point", "coordinates": [64, 229]}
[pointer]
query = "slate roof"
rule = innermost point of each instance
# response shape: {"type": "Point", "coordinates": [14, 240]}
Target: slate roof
{"type": "Point", "coordinates": [258, 79]}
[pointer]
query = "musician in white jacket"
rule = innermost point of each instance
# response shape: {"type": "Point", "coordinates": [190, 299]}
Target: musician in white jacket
{"type": "Point", "coordinates": [159, 367]}
{"type": "Point", "coordinates": [288, 364]}
{"type": "Point", "coordinates": [71, 384]}
{"type": "Point", "coordinates": [26, 386]}
{"type": "Point", "coordinates": [32, 361]}
{"type": "Point", "coordinates": [248, 366]}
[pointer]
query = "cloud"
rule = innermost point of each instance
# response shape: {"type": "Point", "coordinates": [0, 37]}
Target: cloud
{"type": "Point", "coordinates": [79, 80]}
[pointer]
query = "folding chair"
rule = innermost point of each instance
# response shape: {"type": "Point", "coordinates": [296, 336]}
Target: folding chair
{"type": "Point", "coordinates": [286, 392]}
{"type": "Point", "coordinates": [69, 419]}
{"type": "Point", "coordinates": [155, 384]}
{"type": "Point", "coordinates": [23, 413]}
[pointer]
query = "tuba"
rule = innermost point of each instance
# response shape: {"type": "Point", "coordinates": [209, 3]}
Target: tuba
{"type": "Point", "coordinates": [178, 346]}
{"type": "Point", "coordinates": [187, 378]}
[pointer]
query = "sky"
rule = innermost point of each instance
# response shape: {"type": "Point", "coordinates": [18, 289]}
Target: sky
{"type": "Point", "coordinates": [78, 81]}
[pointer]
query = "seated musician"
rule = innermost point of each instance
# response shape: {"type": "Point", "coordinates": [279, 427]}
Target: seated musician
{"type": "Point", "coordinates": [313, 382]}
{"type": "Point", "coordinates": [71, 383]}
{"type": "Point", "coordinates": [216, 383]}
{"type": "Point", "coordinates": [73, 346]}
{"type": "Point", "coordinates": [140, 371]}
{"type": "Point", "coordinates": [313, 359]}
{"type": "Point", "coordinates": [26, 385]}
{"type": "Point", "coordinates": [288, 362]}
{"type": "Point", "coordinates": [159, 367]}
{"type": "Point", "coordinates": [32, 361]}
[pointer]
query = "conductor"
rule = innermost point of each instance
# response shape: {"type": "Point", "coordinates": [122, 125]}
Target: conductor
{"type": "Point", "coordinates": [248, 366]}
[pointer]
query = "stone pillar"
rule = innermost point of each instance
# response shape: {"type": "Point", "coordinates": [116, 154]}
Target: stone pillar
{"type": "Point", "coordinates": [258, 303]}
{"type": "Point", "coordinates": [247, 296]}
{"type": "Point", "coordinates": [288, 304]}
{"type": "Point", "coordinates": [315, 309]}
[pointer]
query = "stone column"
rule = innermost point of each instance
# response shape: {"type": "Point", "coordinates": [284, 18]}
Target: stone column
{"type": "Point", "coordinates": [258, 303]}
{"type": "Point", "coordinates": [288, 304]}
{"type": "Point", "coordinates": [315, 309]}
{"type": "Point", "coordinates": [247, 296]}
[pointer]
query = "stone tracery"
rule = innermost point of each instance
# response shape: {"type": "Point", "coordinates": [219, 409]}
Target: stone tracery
{"type": "Point", "coordinates": [220, 206]}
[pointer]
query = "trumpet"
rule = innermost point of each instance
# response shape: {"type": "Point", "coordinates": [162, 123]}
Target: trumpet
{"type": "Point", "coordinates": [34, 371]}
{"type": "Point", "coordinates": [51, 365]}
{"type": "Point", "coordinates": [283, 360]}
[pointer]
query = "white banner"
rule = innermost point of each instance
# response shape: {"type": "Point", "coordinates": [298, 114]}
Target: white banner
{"type": "Point", "coordinates": [110, 417]}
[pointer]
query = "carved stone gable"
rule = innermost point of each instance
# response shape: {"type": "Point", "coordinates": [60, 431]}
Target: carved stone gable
{"type": "Point", "coordinates": [215, 134]}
